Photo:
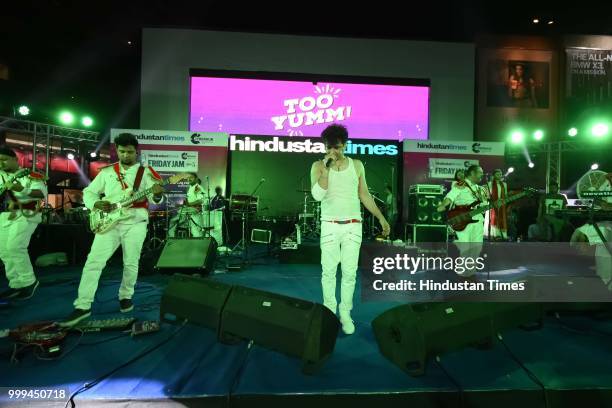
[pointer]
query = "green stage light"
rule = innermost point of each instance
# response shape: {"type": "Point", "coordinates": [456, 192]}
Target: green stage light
{"type": "Point", "coordinates": [23, 110]}
{"type": "Point", "coordinates": [517, 137]}
{"type": "Point", "coordinates": [572, 132]}
{"type": "Point", "coordinates": [599, 129]}
{"type": "Point", "coordinates": [66, 118]}
{"type": "Point", "coordinates": [538, 135]}
{"type": "Point", "coordinates": [87, 121]}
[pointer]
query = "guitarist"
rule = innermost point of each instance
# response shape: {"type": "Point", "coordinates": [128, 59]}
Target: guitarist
{"type": "Point", "coordinates": [464, 193]}
{"type": "Point", "coordinates": [19, 217]}
{"type": "Point", "coordinates": [114, 182]}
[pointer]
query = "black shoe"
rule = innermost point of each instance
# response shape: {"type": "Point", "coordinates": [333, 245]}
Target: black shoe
{"type": "Point", "coordinates": [126, 305]}
{"type": "Point", "coordinates": [27, 292]}
{"type": "Point", "coordinates": [9, 294]}
{"type": "Point", "coordinates": [75, 317]}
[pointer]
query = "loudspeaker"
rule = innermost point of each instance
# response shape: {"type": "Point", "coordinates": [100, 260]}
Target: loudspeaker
{"type": "Point", "coordinates": [198, 300]}
{"type": "Point", "coordinates": [190, 255]}
{"type": "Point", "coordinates": [422, 208]}
{"type": "Point", "coordinates": [292, 326]}
{"type": "Point", "coordinates": [409, 334]}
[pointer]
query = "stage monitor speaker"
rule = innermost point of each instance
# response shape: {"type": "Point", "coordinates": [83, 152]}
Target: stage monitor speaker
{"type": "Point", "coordinates": [422, 208]}
{"type": "Point", "coordinates": [292, 326]}
{"type": "Point", "coordinates": [188, 256]}
{"type": "Point", "coordinates": [197, 300]}
{"type": "Point", "coordinates": [410, 334]}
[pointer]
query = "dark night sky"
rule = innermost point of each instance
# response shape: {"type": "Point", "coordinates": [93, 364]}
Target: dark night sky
{"type": "Point", "coordinates": [75, 54]}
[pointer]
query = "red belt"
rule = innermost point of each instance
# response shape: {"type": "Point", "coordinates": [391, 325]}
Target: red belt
{"type": "Point", "coordinates": [353, 221]}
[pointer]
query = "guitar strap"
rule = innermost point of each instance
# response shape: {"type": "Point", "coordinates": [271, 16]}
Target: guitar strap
{"type": "Point", "coordinates": [476, 196]}
{"type": "Point", "coordinates": [138, 179]}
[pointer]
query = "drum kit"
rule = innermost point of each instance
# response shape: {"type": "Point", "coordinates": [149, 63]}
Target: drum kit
{"type": "Point", "coordinates": [309, 220]}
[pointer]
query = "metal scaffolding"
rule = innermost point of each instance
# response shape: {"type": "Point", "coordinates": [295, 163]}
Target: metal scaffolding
{"type": "Point", "coordinates": [43, 133]}
{"type": "Point", "coordinates": [553, 153]}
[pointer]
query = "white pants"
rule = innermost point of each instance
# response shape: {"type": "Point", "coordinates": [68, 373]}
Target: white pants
{"type": "Point", "coordinates": [340, 244]}
{"type": "Point", "coordinates": [470, 243]}
{"type": "Point", "coordinates": [130, 237]}
{"type": "Point", "coordinates": [14, 241]}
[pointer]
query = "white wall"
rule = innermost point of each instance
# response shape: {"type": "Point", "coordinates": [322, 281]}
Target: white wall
{"type": "Point", "coordinates": [169, 54]}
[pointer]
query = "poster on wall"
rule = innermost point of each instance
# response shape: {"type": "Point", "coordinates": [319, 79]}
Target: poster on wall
{"type": "Point", "coordinates": [305, 108]}
{"type": "Point", "coordinates": [172, 152]}
{"type": "Point", "coordinates": [516, 91]}
{"type": "Point", "coordinates": [588, 83]}
{"type": "Point", "coordinates": [445, 169]}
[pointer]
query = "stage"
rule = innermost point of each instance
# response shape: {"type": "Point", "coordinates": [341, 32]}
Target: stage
{"type": "Point", "coordinates": [567, 363]}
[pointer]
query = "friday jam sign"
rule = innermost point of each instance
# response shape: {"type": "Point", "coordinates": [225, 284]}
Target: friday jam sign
{"type": "Point", "coordinates": [320, 108]}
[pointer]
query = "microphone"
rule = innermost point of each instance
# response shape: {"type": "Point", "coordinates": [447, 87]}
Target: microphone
{"type": "Point", "coordinates": [328, 162]}
{"type": "Point", "coordinates": [263, 180]}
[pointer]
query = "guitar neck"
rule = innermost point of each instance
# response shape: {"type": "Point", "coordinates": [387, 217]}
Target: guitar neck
{"type": "Point", "coordinates": [510, 199]}
{"type": "Point", "coordinates": [139, 195]}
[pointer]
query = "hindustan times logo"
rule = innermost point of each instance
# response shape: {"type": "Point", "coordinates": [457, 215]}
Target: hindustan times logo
{"type": "Point", "coordinates": [307, 146]}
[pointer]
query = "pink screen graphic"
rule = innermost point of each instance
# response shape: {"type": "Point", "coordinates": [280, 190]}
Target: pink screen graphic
{"type": "Point", "coordinates": [292, 108]}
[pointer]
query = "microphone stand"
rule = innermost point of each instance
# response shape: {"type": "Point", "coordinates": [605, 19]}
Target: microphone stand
{"type": "Point", "coordinates": [209, 200]}
{"type": "Point", "coordinates": [489, 212]}
{"type": "Point", "coordinates": [243, 244]}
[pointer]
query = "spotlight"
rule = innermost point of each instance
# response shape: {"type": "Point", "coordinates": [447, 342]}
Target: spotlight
{"type": "Point", "coordinates": [517, 137]}
{"type": "Point", "coordinates": [538, 135]}
{"type": "Point", "coordinates": [551, 22]}
{"type": "Point", "coordinates": [531, 165]}
{"type": "Point", "coordinates": [70, 156]}
{"type": "Point", "coordinates": [594, 166]}
{"type": "Point", "coordinates": [572, 132]}
{"type": "Point", "coordinates": [536, 21]}
{"type": "Point", "coordinates": [599, 129]}
{"type": "Point", "coordinates": [510, 169]}
{"type": "Point", "coordinates": [67, 118]}
{"type": "Point", "coordinates": [93, 155]}
{"type": "Point", "coordinates": [23, 110]}
{"type": "Point", "coordinates": [87, 121]}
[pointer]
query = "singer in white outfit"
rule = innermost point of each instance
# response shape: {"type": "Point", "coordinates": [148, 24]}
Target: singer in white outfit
{"type": "Point", "coordinates": [339, 183]}
{"type": "Point", "coordinates": [115, 182]}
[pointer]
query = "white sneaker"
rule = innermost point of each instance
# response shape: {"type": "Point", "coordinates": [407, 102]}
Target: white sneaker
{"type": "Point", "coordinates": [348, 326]}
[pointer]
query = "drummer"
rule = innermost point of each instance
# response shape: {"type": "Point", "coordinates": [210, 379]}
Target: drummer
{"type": "Point", "coordinates": [195, 200]}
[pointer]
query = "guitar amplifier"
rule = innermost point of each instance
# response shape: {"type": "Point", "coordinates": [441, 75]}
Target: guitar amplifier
{"type": "Point", "coordinates": [423, 200]}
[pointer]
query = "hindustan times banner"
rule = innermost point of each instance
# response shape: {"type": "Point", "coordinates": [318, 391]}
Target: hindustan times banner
{"type": "Point", "coordinates": [170, 161]}
{"type": "Point", "coordinates": [446, 168]}
{"type": "Point", "coordinates": [174, 137]}
{"type": "Point", "coordinates": [170, 152]}
{"type": "Point", "coordinates": [470, 148]}
{"type": "Point", "coordinates": [500, 272]}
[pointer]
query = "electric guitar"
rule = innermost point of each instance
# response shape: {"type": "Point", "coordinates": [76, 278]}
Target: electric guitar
{"type": "Point", "coordinates": [101, 221]}
{"type": "Point", "coordinates": [460, 216]}
{"type": "Point", "coordinates": [18, 174]}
